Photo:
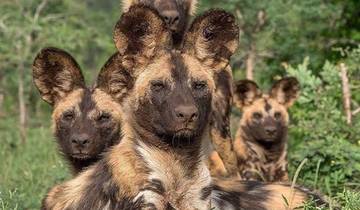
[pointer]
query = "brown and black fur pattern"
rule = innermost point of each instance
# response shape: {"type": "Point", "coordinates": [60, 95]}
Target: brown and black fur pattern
{"type": "Point", "coordinates": [261, 139]}
{"type": "Point", "coordinates": [222, 160]}
{"type": "Point", "coordinates": [85, 123]}
{"type": "Point", "coordinates": [254, 195]}
{"type": "Point", "coordinates": [158, 164]}
{"type": "Point", "coordinates": [176, 13]}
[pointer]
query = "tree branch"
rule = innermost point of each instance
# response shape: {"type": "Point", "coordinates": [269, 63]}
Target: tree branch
{"type": "Point", "coordinates": [356, 111]}
{"type": "Point", "coordinates": [39, 9]}
{"type": "Point", "coordinates": [346, 92]}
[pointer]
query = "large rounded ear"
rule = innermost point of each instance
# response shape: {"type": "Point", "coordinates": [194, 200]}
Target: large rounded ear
{"type": "Point", "coordinates": [56, 74]}
{"type": "Point", "coordinates": [140, 34]}
{"type": "Point", "coordinates": [213, 38]}
{"type": "Point", "coordinates": [114, 79]}
{"type": "Point", "coordinates": [245, 92]}
{"type": "Point", "coordinates": [286, 91]}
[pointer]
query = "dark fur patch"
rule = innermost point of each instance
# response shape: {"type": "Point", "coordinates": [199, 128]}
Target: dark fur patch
{"type": "Point", "coordinates": [114, 78]}
{"type": "Point", "coordinates": [156, 186]}
{"type": "Point", "coordinates": [286, 90]}
{"type": "Point", "coordinates": [137, 28]}
{"type": "Point", "coordinates": [206, 192]}
{"type": "Point", "coordinates": [176, 14]}
{"type": "Point", "coordinates": [217, 29]}
{"type": "Point", "coordinates": [222, 106]}
{"type": "Point", "coordinates": [55, 74]}
{"type": "Point", "coordinates": [245, 92]}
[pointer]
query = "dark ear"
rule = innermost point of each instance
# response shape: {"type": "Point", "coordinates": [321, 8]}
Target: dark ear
{"type": "Point", "coordinates": [114, 79]}
{"type": "Point", "coordinates": [55, 74]}
{"type": "Point", "coordinates": [286, 91]}
{"type": "Point", "coordinates": [245, 92]}
{"type": "Point", "coordinates": [213, 38]}
{"type": "Point", "coordinates": [140, 33]}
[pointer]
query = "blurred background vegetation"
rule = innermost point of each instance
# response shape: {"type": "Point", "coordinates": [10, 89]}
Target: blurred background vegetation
{"type": "Point", "coordinates": [308, 39]}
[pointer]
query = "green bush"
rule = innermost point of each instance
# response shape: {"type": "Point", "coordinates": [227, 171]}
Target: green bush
{"type": "Point", "coordinates": [319, 132]}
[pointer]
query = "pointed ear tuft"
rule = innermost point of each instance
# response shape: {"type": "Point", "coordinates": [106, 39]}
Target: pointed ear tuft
{"type": "Point", "coordinates": [245, 92]}
{"type": "Point", "coordinates": [56, 74]}
{"type": "Point", "coordinates": [213, 37]}
{"type": "Point", "coordinates": [126, 4]}
{"type": "Point", "coordinates": [141, 32]}
{"type": "Point", "coordinates": [192, 5]}
{"type": "Point", "coordinates": [286, 91]}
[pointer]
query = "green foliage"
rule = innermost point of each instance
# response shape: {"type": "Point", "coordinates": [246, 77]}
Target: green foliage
{"type": "Point", "coordinates": [28, 171]}
{"type": "Point", "coordinates": [319, 132]}
{"type": "Point", "coordinates": [292, 30]}
{"type": "Point", "coordinates": [26, 26]}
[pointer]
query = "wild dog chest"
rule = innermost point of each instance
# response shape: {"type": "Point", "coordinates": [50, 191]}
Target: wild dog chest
{"type": "Point", "coordinates": [173, 183]}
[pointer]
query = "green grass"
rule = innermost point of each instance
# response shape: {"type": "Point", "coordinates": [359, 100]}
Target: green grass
{"type": "Point", "coordinates": [29, 170]}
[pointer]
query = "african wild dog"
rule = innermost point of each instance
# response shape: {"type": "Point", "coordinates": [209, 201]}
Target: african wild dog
{"type": "Point", "coordinates": [261, 140]}
{"type": "Point", "coordinates": [85, 120]}
{"type": "Point", "coordinates": [158, 163]}
{"type": "Point", "coordinates": [176, 14]}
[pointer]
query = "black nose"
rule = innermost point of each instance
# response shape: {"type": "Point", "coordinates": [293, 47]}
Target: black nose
{"type": "Point", "coordinates": [171, 18]}
{"type": "Point", "coordinates": [270, 130]}
{"type": "Point", "coordinates": [186, 113]}
{"type": "Point", "coordinates": [80, 140]}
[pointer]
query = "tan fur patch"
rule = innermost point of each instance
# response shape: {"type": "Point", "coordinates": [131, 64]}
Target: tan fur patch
{"type": "Point", "coordinates": [182, 191]}
{"type": "Point", "coordinates": [125, 165]}
{"type": "Point", "coordinates": [239, 145]}
{"type": "Point", "coordinates": [216, 165]}
{"type": "Point", "coordinates": [64, 195]}
{"type": "Point", "coordinates": [70, 102]}
{"type": "Point", "coordinates": [160, 69]}
{"type": "Point", "coordinates": [198, 72]}
{"type": "Point", "coordinates": [259, 106]}
{"type": "Point", "coordinates": [106, 103]}
{"type": "Point", "coordinates": [126, 4]}
{"type": "Point", "coordinates": [225, 150]}
{"type": "Point", "coordinates": [193, 6]}
{"type": "Point", "coordinates": [294, 198]}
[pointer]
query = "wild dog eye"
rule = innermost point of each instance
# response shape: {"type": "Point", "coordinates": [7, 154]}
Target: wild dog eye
{"type": "Point", "coordinates": [257, 115]}
{"type": "Point", "coordinates": [199, 85]}
{"type": "Point", "coordinates": [68, 116]}
{"type": "Point", "coordinates": [104, 117]}
{"type": "Point", "coordinates": [157, 86]}
{"type": "Point", "coordinates": [277, 115]}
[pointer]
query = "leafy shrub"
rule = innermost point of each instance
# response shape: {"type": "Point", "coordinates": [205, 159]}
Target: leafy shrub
{"type": "Point", "coordinates": [319, 132]}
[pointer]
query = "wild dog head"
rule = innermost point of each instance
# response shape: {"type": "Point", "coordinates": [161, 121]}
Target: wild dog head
{"type": "Point", "coordinates": [264, 116]}
{"type": "Point", "coordinates": [85, 120]}
{"type": "Point", "coordinates": [169, 91]}
{"type": "Point", "coordinates": [176, 13]}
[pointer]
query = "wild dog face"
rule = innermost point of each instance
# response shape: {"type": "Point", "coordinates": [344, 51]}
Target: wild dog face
{"type": "Point", "coordinates": [85, 121]}
{"type": "Point", "coordinates": [170, 91]}
{"type": "Point", "coordinates": [176, 13]}
{"type": "Point", "coordinates": [265, 117]}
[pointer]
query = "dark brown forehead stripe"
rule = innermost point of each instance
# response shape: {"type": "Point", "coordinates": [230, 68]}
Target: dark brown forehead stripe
{"type": "Point", "coordinates": [267, 106]}
{"type": "Point", "coordinates": [87, 104]}
{"type": "Point", "coordinates": [179, 71]}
